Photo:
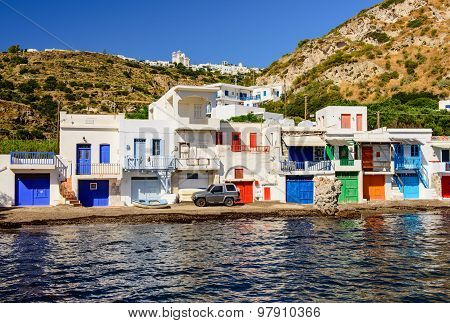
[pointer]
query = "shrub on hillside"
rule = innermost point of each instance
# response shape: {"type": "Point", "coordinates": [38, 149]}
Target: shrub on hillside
{"type": "Point", "coordinates": [411, 66]}
{"type": "Point", "coordinates": [50, 83]}
{"type": "Point", "coordinates": [415, 23]}
{"type": "Point", "coordinates": [29, 86]}
{"type": "Point", "coordinates": [14, 49]}
{"type": "Point", "coordinates": [17, 60]}
{"type": "Point", "coordinates": [379, 36]}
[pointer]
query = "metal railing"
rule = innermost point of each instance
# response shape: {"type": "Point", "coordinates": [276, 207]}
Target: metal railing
{"type": "Point", "coordinates": [97, 169]}
{"type": "Point", "coordinates": [405, 163]}
{"type": "Point", "coordinates": [398, 181]}
{"type": "Point", "coordinates": [423, 175]}
{"type": "Point", "coordinates": [307, 166]}
{"type": "Point", "coordinates": [253, 149]}
{"type": "Point", "coordinates": [151, 163]}
{"type": "Point", "coordinates": [200, 161]}
{"type": "Point", "coordinates": [32, 158]}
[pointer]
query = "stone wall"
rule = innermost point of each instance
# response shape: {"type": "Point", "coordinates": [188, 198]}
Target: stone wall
{"type": "Point", "coordinates": [327, 191]}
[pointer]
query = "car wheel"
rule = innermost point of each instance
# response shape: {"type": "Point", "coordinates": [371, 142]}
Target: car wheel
{"type": "Point", "coordinates": [228, 201]}
{"type": "Point", "coordinates": [200, 202]}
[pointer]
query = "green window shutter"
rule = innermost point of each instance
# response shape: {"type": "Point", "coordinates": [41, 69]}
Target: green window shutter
{"type": "Point", "coordinates": [329, 150]}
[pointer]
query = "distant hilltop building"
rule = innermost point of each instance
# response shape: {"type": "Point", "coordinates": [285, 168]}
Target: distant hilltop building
{"type": "Point", "coordinates": [179, 57]}
{"type": "Point", "coordinates": [444, 105]}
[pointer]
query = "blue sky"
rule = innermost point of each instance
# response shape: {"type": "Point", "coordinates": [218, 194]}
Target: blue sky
{"type": "Point", "coordinates": [253, 32]}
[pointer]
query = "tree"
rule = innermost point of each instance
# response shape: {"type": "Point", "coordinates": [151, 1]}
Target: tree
{"type": "Point", "coordinates": [14, 49]}
{"type": "Point", "coordinates": [29, 86]}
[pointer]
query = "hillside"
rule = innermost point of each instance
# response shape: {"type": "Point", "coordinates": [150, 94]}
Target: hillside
{"type": "Point", "coordinates": [32, 84]}
{"type": "Point", "coordinates": [395, 46]}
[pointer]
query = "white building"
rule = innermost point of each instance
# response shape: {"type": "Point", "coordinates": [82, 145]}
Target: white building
{"type": "Point", "coordinates": [179, 57]}
{"type": "Point", "coordinates": [444, 105]}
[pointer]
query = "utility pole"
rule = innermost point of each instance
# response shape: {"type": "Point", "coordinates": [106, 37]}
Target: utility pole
{"type": "Point", "coordinates": [306, 107]}
{"type": "Point", "coordinates": [378, 120]}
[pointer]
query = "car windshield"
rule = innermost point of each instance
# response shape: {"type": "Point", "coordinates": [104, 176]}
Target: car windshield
{"type": "Point", "coordinates": [210, 188]}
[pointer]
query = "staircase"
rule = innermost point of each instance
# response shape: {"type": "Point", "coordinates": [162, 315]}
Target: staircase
{"type": "Point", "coordinates": [396, 193]}
{"type": "Point", "coordinates": [65, 188]}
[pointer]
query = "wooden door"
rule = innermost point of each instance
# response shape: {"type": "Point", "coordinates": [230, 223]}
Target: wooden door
{"type": "Point", "coordinates": [367, 158]}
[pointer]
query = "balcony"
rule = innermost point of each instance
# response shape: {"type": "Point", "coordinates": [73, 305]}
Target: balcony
{"type": "Point", "coordinates": [32, 160]}
{"type": "Point", "coordinates": [407, 163]}
{"type": "Point", "coordinates": [198, 164]}
{"type": "Point", "coordinates": [254, 149]}
{"type": "Point", "coordinates": [347, 165]}
{"type": "Point", "coordinates": [376, 166]}
{"type": "Point", "coordinates": [307, 166]}
{"type": "Point", "coordinates": [98, 170]}
{"type": "Point", "coordinates": [152, 163]}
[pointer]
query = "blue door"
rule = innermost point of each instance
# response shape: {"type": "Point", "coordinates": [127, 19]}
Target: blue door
{"type": "Point", "coordinates": [105, 154]}
{"type": "Point", "coordinates": [93, 192]}
{"type": "Point", "coordinates": [411, 186]}
{"type": "Point", "coordinates": [32, 189]}
{"type": "Point", "coordinates": [300, 189]}
{"type": "Point", "coordinates": [83, 159]}
{"type": "Point", "coordinates": [139, 152]}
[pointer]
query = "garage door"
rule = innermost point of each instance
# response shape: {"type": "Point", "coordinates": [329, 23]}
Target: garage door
{"type": "Point", "coordinates": [245, 191]}
{"type": "Point", "coordinates": [300, 189]}
{"type": "Point", "coordinates": [93, 192]}
{"type": "Point", "coordinates": [193, 180]}
{"type": "Point", "coordinates": [374, 187]}
{"type": "Point", "coordinates": [145, 188]}
{"type": "Point", "coordinates": [32, 189]}
{"type": "Point", "coordinates": [410, 186]}
{"type": "Point", "coordinates": [446, 187]}
{"type": "Point", "coordinates": [349, 188]}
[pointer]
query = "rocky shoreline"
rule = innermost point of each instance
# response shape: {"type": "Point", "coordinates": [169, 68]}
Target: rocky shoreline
{"type": "Point", "coordinates": [11, 218]}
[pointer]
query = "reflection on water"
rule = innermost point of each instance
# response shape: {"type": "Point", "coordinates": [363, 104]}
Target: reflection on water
{"type": "Point", "coordinates": [390, 258]}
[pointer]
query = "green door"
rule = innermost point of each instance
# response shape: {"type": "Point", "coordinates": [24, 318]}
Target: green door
{"type": "Point", "coordinates": [343, 154]}
{"type": "Point", "coordinates": [349, 189]}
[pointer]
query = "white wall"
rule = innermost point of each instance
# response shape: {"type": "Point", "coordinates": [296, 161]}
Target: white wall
{"type": "Point", "coordinates": [330, 117]}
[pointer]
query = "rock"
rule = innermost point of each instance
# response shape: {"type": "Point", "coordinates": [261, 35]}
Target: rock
{"type": "Point", "coordinates": [327, 191]}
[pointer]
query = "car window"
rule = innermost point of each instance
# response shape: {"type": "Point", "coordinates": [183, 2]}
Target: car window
{"type": "Point", "coordinates": [210, 187]}
{"type": "Point", "coordinates": [231, 188]}
{"type": "Point", "coordinates": [217, 189]}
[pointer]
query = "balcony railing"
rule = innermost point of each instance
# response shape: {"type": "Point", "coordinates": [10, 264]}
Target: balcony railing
{"type": "Point", "coordinates": [200, 163]}
{"type": "Point", "coordinates": [32, 158]}
{"type": "Point", "coordinates": [253, 149]}
{"type": "Point", "coordinates": [376, 165]}
{"type": "Point", "coordinates": [307, 166]}
{"type": "Point", "coordinates": [347, 162]}
{"type": "Point", "coordinates": [151, 163]}
{"type": "Point", "coordinates": [407, 163]}
{"type": "Point", "coordinates": [97, 169]}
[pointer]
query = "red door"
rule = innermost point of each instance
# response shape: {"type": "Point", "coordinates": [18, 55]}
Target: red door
{"type": "Point", "coordinates": [359, 122]}
{"type": "Point", "coordinates": [236, 141]}
{"type": "Point", "coordinates": [266, 193]}
{"type": "Point", "coordinates": [246, 191]}
{"type": "Point", "coordinates": [253, 140]}
{"type": "Point", "coordinates": [367, 158]}
{"type": "Point", "coordinates": [446, 187]}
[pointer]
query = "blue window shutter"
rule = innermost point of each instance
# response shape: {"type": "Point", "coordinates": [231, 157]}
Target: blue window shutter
{"type": "Point", "coordinates": [105, 154]}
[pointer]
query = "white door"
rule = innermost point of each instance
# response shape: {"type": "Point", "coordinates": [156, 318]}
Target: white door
{"type": "Point", "coordinates": [145, 188]}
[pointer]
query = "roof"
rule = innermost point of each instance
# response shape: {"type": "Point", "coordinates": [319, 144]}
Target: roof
{"type": "Point", "coordinates": [315, 141]}
{"type": "Point", "coordinates": [407, 141]}
{"type": "Point", "coordinates": [442, 145]}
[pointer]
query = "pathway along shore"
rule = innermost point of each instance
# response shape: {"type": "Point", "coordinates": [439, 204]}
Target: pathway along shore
{"type": "Point", "coordinates": [188, 213]}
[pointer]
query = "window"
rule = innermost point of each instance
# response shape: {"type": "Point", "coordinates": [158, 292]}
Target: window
{"type": "Point", "coordinates": [265, 93]}
{"type": "Point", "coordinates": [104, 154]}
{"type": "Point", "coordinates": [277, 93]}
{"type": "Point", "coordinates": [192, 176]}
{"type": "Point", "coordinates": [319, 153]}
{"type": "Point", "coordinates": [93, 186]}
{"type": "Point", "coordinates": [226, 92]}
{"type": "Point", "coordinates": [156, 147]}
{"type": "Point", "coordinates": [219, 138]}
{"type": "Point", "coordinates": [359, 122]}
{"type": "Point", "coordinates": [414, 150]}
{"type": "Point", "coordinates": [231, 188]}
{"type": "Point", "coordinates": [378, 154]}
{"type": "Point", "coordinates": [198, 112]}
{"type": "Point", "coordinates": [345, 121]}
{"type": "Point", "coordinates": [217, 189]}
{"type": "Point", "coordinates": [238, 173]}
{"type": "Point", "coordinates": [446, 155]}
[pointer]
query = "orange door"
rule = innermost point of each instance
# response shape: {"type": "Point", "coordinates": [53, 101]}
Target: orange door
{"type": "Point", "coordinates": [367, 157]}
{"type": "Point", "coordinates": [246, 191]}
{"type": "Point", "coordinates": [236, 141]}
{"type": "Point", "coordinates": [345, 121]}
{"type": "Point", "coordinates": [253, 140]}
{"type": "Point", "coordinates": [267, 193]}
{"type": "Point", "coordinates": [373, 187]}
{"type": "Point", "coordinates": [359, 122]}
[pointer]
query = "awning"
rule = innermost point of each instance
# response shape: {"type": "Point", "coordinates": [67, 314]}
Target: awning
{"type": "Point", "coordinates": [339, 142]}
{"type": "Point", "coordinates": [442, 145]}
{"type": "Point", "coordinates": [316, 141]}
{"type": "Point", "coordinates": [373, 140]}
{"type": "Point", "coordinates": [407, 141]}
